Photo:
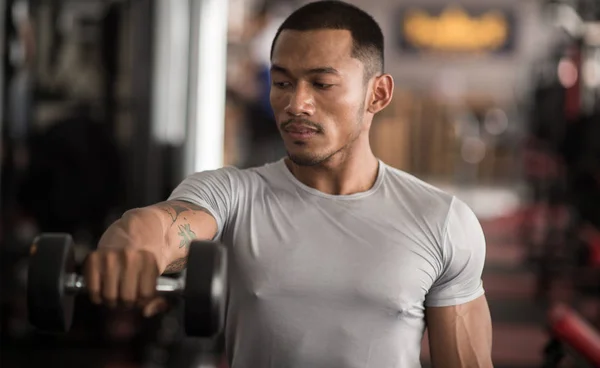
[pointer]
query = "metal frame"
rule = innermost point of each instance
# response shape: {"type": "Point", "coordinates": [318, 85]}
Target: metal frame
{"type": "Point", "coordinates": [170, 70]}
{"type": "Point", "coordinates": [206, 114]}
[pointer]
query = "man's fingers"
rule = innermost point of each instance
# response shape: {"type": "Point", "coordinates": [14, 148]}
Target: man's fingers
{"type": "Point", "coordinates": [92, 278]}
{"type": "Point", "coordinates": [128, 290]}
{"type": "Point", "coordinates": [147, 278]}
{"type": "Point", "coordinates": [111, 274]}
{"type": "Point", "coordinates": [124, 277]}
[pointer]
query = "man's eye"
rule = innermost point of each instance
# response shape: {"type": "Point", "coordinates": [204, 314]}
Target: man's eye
{"type": "Point", "coordinates": [323, 85]}
{"type": "Point", "coordinates": [281, 84]}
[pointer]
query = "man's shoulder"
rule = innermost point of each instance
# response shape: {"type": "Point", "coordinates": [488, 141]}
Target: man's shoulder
{"type": "Point", "coordinates": [240, 176]}
{"type": "Point", "coordinates": [266, 169]}
{"type": "Point", "coordinates": [413, 186]}
{"type": "Point", "coordinates": [424, 200]}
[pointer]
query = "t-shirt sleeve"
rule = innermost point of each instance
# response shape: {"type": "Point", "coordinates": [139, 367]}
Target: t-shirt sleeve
{"type": "Point", "coordinates": [463, 254]}
{"type": "Point", "coordinates": [214, 190]}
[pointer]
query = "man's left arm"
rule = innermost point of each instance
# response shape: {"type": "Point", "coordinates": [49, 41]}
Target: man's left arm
{"type": "Point", "coordinates": [457, 314]}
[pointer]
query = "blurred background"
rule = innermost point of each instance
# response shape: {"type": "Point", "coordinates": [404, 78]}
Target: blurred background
{"type": "Point", "coordinates": [106, 105]}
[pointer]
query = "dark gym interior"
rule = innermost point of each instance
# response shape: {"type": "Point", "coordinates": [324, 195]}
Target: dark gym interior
{"type": "Point", "coordinates": [102, 109]}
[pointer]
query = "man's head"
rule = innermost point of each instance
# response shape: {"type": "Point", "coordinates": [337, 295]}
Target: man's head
{"type": "Point", "coordinates": [328, 81]}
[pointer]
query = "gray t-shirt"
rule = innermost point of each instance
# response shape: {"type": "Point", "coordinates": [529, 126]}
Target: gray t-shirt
{"type": "Point", "coordinates": [328, 281]}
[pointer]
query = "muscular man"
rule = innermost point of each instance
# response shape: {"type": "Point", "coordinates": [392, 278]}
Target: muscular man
{"type": "Point", "coordinates": [336, 259]}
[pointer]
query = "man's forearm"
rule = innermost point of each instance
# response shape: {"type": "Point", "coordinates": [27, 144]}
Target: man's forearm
{"type": "Point", "coordinates": [140, 228]}
{"type": "Point", "coordinates": [166, 229]}
{"type": "Point", "coordinates": [183, 223]}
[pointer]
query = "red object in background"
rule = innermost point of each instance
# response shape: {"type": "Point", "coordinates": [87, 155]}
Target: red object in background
{"type": "Point", "coordinates": [572, 330]}
{"type": "Point", "coordinates": [541, 165]}
{"type": "Point", "coordinates": [591, 236]}
{"type": "Point", "coordinates": [595, 252]}
{"type": "Point", "coordinates": [594, 244]}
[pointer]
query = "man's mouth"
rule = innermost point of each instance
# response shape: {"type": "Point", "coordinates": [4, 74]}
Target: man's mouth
{"type": "Point", "coordinates": [300, 131]}
{"type": "Point", "coordinates": [300, 128]}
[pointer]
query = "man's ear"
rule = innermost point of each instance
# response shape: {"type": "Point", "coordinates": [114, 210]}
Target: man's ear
{"type": "Point", "coordinates": [383, 91]}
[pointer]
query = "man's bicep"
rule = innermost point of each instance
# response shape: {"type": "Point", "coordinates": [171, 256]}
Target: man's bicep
{"type": "Point", "coordinates": [457, 314]}
{"type": "Point", "coordinates": [460, 335]}
{"type": "Point", "coordinates": [465, 251]}
{"type": "Point", "coordinates": [217, 191]}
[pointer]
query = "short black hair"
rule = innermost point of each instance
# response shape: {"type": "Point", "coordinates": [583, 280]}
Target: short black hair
{"type": "Point", "coordinates": [367, 36]}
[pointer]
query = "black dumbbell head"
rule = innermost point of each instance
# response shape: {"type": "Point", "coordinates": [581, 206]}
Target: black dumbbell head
{"type": "Point", "coordinates": [205, 289]}
{"type": "Point", "coordinates": [51, 259]}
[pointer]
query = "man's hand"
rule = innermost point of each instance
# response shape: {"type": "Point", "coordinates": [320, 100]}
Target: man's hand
{"type": "Point", "coordinates": [143, 244]}
{"type": "Point", "coordinates": [124, 277]}
{"type": "Point", "coordinates": [461, 335]}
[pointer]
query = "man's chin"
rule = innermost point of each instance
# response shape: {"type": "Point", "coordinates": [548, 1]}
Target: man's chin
{"type": "Point", "coordinates": [305, 160]}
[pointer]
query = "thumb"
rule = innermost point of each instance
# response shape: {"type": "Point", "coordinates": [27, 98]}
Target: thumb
{"type": "Point", "coordinates": [154, 307]}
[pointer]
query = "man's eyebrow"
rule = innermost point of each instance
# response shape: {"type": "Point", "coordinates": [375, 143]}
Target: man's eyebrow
{"type": "Point", "coordinates": [323, 70]}
{"type": "Point", "coordinates": [280, 69]}
{"type": "Point", "coordinates": [319, 70]}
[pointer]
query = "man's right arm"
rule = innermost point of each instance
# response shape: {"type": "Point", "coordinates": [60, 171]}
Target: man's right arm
{"type": "Point", "coordinates": [185, 222]}
{"type": "Point", "coordinates": [149, 241]}
{"type": "Point", "coordinates": [165, 229]}
{"type": "Point", "coordinates": [143, 244]}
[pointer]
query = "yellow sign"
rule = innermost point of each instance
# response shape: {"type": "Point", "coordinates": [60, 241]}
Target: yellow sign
{"type": "Point", "coordinates": [456, 30]}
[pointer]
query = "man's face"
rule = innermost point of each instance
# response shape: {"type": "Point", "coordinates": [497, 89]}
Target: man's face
{"type": "Point", "coordinates": [317, 94]}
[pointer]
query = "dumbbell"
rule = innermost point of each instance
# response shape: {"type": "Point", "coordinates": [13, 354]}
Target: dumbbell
{"type": "Point", "coordinates": [52, 285]}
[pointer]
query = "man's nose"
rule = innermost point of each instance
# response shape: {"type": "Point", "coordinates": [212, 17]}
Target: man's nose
{"type": "Point", "coordinates": [301, 102]}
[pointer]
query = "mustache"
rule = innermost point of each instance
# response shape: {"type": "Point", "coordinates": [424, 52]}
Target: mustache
{"type": "Point", "coordinates": [306, 122]}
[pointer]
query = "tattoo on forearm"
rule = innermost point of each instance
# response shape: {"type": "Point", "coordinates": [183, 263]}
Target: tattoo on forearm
{"type": "Point", "coordinates": [187, 235]}
{"type": "Point", "coordinates": [177, 265]}
{"type": "Point", "coordinates": [176, 209]}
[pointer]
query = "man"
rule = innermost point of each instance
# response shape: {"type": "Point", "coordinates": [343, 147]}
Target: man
{"type": "Point", "coordinates": [336, 259]}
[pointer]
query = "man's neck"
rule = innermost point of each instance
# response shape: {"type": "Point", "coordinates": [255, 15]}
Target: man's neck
{"type": "Point", "coordinates": [342, 174]}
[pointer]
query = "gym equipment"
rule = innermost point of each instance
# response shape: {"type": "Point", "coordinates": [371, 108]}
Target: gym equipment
{"type": "Point", "coordinates": [52, 285]}
{"type": "Point", "coordinates": [569, 329]}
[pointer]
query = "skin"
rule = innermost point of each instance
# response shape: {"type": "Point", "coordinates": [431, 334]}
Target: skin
{"type": "Point", "coordinates": [316, 81]}
{"type": "Point", "coordinates": [460, 335]}
{"type": "Point", "coordinates": [142, 244]}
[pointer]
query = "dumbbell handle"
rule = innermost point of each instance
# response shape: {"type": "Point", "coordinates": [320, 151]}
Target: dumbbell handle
{"type": "Point", "coordinates": [75, 284]}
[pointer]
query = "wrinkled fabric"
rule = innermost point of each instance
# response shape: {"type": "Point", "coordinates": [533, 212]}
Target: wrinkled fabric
{"type": "Point", "coordinates": [319, 280]}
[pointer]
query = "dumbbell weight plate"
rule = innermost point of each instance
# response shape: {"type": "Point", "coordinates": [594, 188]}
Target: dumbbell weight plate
{"type": "Point", "coordinates": [205, 290]}
{"type": "Point", "coordinates": [51, 259]}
